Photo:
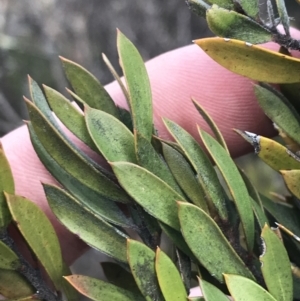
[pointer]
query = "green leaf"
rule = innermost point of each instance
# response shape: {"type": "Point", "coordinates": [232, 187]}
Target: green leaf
{"type": "Point", "coordinates": [70, 116]}
{"type": "Point", "coordinates": [154, 195]}
{"type": "Point", "coordinates": [79, 220]}
{"type": "Point", "coordinates": [276, 266]}
{"type": "Point", "coordinates": [199, 7]}
{"type": "Point", "coordinates": [228, 4]}
{"type": "Point", "coordinates": [230, 24]}
{"type": "Point", "coordinates": [212, 125]}
{"type": "Point", "coordinates": [117, 78]}
{"type": "Point", "coordinates": [291, 179]}
{"type": "Point", "coordinates": [185, 176]}
{"type": "Point", "coordinates": [235, 184]}
{"type": "Point", "coordinates": [6, 184]}
{"type": "Point", "coordinates": [250, 7]}
{"type": "Point", "coordinates": [142, 264]}
{"type": "Point", "coordinates": [271, 152]}
{"type": "Point", "coordinates": [118, 276]}
{"type": "Point", "coordinates": [8, 259]}
{"type": "Point", "coordinates": [259, 214]}
{"type": "Point", "coordinates": [10, 280]}
{"type": "Point", "coordinates": [169, 278]}
{"type": "Point", "coordinates": [284, 17]}
{"type": "Point", "coordinates": [99, 290]}
{"type": "Point", "coordinates": [111, 136]}
{"type": "Point", "coordinates": [97, 203]}
{"type": "Point", "coordinates": [240, 287]}
{"type": "Point", "coordinates": [206, 175]}
{"type": "Point", "coordinates": [285, 215]}
{"type": "Point", "coordinates": [70, 160]}
{"type": "Point", "coordinates": [148, 158]}
{"type": "Point", "coordinates": [138, 86]}
{"type": "Point", "coordinates": [39, 234]}
{"type": "Point", "coordinates": [87, 87]}
{"type": "Point", "coordinates": [208, 243]}
{"type": "Point", "coordinates": [254, 62]}
{"type": "Point", "coordinates": [279, 112]}
{"type": "Point", "coordinates": [210, 292]}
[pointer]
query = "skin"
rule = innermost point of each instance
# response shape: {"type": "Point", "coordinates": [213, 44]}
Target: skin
{"type": "Point", "coordinates": [175, 77]}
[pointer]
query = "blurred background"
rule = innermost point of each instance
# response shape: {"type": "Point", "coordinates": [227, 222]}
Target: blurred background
{"type": "Point", "coordinates": [34, 32]}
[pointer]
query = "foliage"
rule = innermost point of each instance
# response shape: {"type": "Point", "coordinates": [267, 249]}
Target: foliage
{"type": "Point", "coordinates": [159, 188]}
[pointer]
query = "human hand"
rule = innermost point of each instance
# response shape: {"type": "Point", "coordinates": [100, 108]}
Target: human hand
{"type": "Point", "coordinates": [175, 77]}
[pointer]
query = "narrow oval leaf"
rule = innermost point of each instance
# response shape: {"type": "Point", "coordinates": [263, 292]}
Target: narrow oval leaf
{"type": "Point", "coordinates": [142, 264]}
{"type": "Point", "coordinates": [271, 152]}
{"type": "Point", "coordinates": [185, 176]}
{"type": "Point", "coordinates": [71, 117]}
{"type": "Point", "coordinates": [99, 290]}
{"type": "Point", "coordinates": [284, 17]}
{"type": "Point", "coordinates": [99, 205]}
{"type": "Point", "coordinates": [206, 175]}
{"type": "Point", "coordinates": [279, 112]}
{"type": "Point", "coordinates": [70, 160]}
{"type": "Point", "coordinates": [211, 293]}
{"type": "Point", "coordinates": [276, 266]}
{"type": "Point", "coordinates": [207, 242]}
{"type": "Point", "coordinates": [79, 220]}
{"type": "Point", "coordinates": [7, 185]}
{"type": "Point", "coordinates": [8, 259]}
{"type": "Point", "coordinates": [235, 184]}
{"type": "Point", "coordinates": [111, 136]}
{"type": "Point", "coordinates": [292, 180]}
{"type": "Point", "coordinates": [87, 87]}
{"type": "Point", "coordinates": [239, 287]}
{"type": "Point", "coordinates": [148, 158]}
{"type": "Point", "coordinates": [230, 24]}
{"type": "Point", "coordinates": [10, 280]}
{"type": "Point", "coordinates": [285, 215]}
{"type": "Point", "coordinates": [259, 214]}
{"type": "Point", "coordinates": [154, 195]}
{"type": "Point", "coordinates": [116, 77]}
{"type": "Point", "coordinates": [250, 7]}
{"type": "Point", "coordinates": [212, 125]}
{"type": "Point", "coordinates": [169, 278]}
{"type": "Point", "coordinates": [254, 62]}
{"type": "Point", "coordinates": [198, 7]}
{"type": "Point", "coordinates": [39, 234]}
{"type": "Point", "coordinates": [138, 86]}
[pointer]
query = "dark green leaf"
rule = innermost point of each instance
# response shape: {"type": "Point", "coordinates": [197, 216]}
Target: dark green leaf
{"type": "Point", "coordinates": [154, 195]}
{"type": "Point", "coordinates": [235, 184]}
{"type": "Point", "coordinates": [70, 160]}
{"type": "Point", "coordinates": [88, 88]}
{"type": "Point", "coordinates": [206, 175]}
{"type": "Point", "coordinates": [232, 25]}
{"type": "Point", "coordinates": [169, 278]}
{"type": "Point", "coordinates": [7, 185]}
{"type": "Point", "coordinates": [8, 259]}
{"type": "Point", "coordinates": [276, 266]}
{"type": "Point", "coordinates": [99, 290]}
{"type": "Point", "coordinates": [184, 176]}
{"type": "Point", "coordinates": [148, 158]}
{"type": "Point", "coordinates": [111, 136]}
{"type": "Point", "coordinates": [259, 214]}
{"type": "Point", "coordinates": [39, 234]}
{"type": "Point", "coordinates": [280, 113]}
{"type": "Point", "coordinates": [199, 7]}
{"type": "Point", "coordinates": [208, 243]}
{"type": "Point", "coordinates": [97, 203]}
{"type": "Point", "coordinates": [79, 220]}
{"type": "Point", "coordinates": [138, 86]}
{"type": "Point", "coordinates": [70, 116]}
{"type": "Point", "coordinates": [142, 264]}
